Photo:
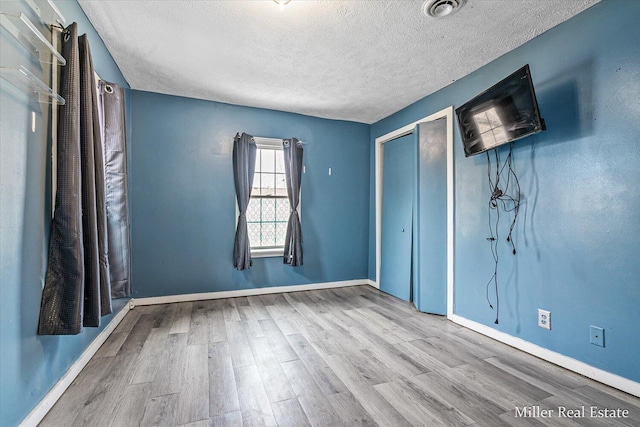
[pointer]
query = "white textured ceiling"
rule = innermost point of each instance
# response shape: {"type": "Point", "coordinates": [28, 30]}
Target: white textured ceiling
{"type": "Point", "coordinates": [351, 60]}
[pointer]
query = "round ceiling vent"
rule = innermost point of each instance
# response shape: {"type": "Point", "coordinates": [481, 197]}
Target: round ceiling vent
{"type": "Point", "coordinates": [441, 8]}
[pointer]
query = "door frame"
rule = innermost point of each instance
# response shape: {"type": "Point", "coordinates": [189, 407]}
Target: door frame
{"type": "Point", "coordinates": [379, 170]}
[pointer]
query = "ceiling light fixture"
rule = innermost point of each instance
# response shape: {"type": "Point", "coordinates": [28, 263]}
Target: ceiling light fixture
{"type": "Point", "coordinates": [281, 3]}
{"type": "Point", "coordinates": [441, 8]}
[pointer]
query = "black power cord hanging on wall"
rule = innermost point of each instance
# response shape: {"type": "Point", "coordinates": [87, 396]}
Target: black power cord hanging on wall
{"type": "Point", "coordinates": [507, 198]}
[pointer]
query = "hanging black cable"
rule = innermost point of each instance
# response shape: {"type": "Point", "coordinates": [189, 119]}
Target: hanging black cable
{"type": "Point", "coordinates": [507, 198]}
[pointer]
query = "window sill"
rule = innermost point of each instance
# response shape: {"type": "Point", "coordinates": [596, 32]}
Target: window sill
{"type": "Point", "coordinates": [266, 253]}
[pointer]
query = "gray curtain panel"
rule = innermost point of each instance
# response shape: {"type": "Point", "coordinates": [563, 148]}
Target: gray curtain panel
{"type": "Point", "coordinates": [112, 115]}
{"type": "Point", "coordinates": [87, 255]}
{"type": "Point", "coordinates": [94, 306]}
{"type": "Point", "coordinates": [244, 166]}
{"type": "Point", "coordinates": [101, 203]}
{"type": "Point", "coordinates": [293, 171]}
{"type": "Point", "coordinates": [62, 307]}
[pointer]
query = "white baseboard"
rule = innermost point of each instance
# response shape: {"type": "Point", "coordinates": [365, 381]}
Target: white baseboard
{"type": "Point", "coordinates": [373, 284]}
{"type": "Point", "coordinates": [574, 365]}
{"type": "Point", "coordinates": [244, 292]}
{"type": "Point", "coordinates": [45, 405]}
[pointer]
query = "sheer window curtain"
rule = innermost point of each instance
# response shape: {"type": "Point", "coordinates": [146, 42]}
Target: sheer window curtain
{"type": "Point", "coordinates": [293, 171]}
{"type": "Point", "coordinates": [244, 165]}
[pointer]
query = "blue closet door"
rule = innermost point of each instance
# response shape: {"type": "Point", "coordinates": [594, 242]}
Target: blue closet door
{"type": "Point", "coordinates": [431, 236]}
{"type": "Point", "coordinates": [398, 187]}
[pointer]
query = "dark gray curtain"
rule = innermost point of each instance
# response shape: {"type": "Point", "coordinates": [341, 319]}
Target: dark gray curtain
{"type": "Point", "coordinates": [71, 297]}
{"type": "Point", "coordinates": [293, 171]}
{"type": "Point", "coordinates": [94, 303]}
{"type": "Point", "coordinates": [112, 115]}
{"type": "Point", "coordinates": [244, 165]}
{"type": "Point", "coordinates": [89, 240]}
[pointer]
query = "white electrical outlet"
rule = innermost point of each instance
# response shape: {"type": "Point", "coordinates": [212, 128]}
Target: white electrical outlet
{"type": "Point", "coordinates": [544, 319]}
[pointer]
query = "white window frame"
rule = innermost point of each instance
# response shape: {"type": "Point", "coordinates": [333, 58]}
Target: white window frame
{"type": "Point", "coordinates": [269, 144]}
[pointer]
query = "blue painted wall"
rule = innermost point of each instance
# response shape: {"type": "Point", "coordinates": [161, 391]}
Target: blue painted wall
{"type": "Point", "coordinates": [578, 235]}
{"type": "Point", "coordinates": [183, 211]}
{"type": "Point", "coordinates": [29, 364]}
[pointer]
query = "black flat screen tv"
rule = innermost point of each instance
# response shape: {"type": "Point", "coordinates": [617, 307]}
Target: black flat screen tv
{"type": "Point", "coordinates": [503, 113]}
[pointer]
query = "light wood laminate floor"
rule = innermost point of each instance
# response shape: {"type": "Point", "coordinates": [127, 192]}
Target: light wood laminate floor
{"type": "Point", "coordinates": [347, 356]}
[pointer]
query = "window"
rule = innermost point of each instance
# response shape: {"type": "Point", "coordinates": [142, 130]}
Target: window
{"type": "Point", "coordinates": [268, 211]}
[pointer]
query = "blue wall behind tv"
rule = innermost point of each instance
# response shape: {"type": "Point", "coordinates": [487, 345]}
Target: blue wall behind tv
{"type": "Point", "coordinates": [30, 364]}
{"type": "Point", "coordinates": [183, 197]}
{"type": "Point", "coordinates": [578, 234]}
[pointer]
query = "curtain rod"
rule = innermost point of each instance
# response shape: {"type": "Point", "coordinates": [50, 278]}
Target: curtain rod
{"type": "Point", "coordinates": [268, 141]}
